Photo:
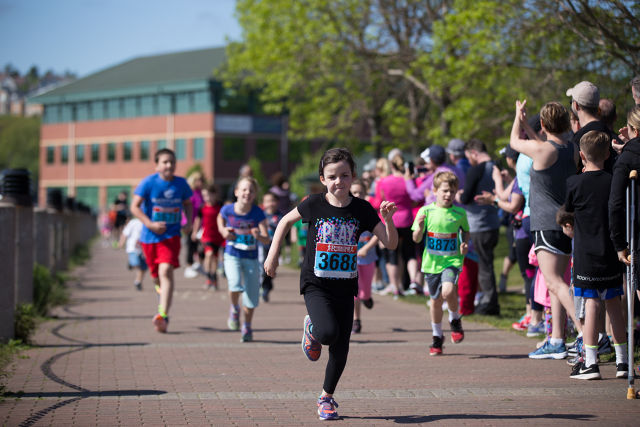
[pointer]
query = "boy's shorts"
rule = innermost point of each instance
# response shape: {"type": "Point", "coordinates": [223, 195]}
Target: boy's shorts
{"type": "Point", "coordinates": [553, 241]}
{"type": "Point", "coordinates": [164, 252]}
{"type": "Point", "coordinates": [602, 294]}
{"type": "Point", "coordinates": [136, 260]}
{"type": "Point", "coordinates": [211, 247]}
{"type": "Point", "coordinates": [435, 281]}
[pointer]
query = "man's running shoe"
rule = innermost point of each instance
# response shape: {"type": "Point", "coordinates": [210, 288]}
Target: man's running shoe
{"type": "Point", "coordinates": [548, 351]}
{"type": "Point", "coordinates": [581, 372]}
{"type": "Point", "coordinates": [522, 324]}
{"type": "Point", "coordinates": [310, 346]}
{"type": "Point", "coordinates": [604, 345]}
{"type": "Point", "coordinates": [357, 326]}
{"type": "Point", "coordinates": [535, 330]}
{"type": "Point", "coordinates": [368, 303]}
{"type": "Point", "coordinates": [457, 333]}
{"type": "Point", "coordinates": [234, 319]}
{"type": "Point", "coordinates": [247, 333]}
{"type": "Point", "coordinates": [622, 370]}
{"type": "Point", "coordinates": [327, 408]}
{"type": "Point", "coordinates": [436, 346]}
{"type": "Point", "coordinates": [160, 322]}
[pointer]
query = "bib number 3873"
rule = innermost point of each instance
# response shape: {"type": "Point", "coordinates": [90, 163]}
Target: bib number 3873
{"type": "Point", "coordinates": [442, 243]}
{"type": "Point", "coordinates": [336, 261]}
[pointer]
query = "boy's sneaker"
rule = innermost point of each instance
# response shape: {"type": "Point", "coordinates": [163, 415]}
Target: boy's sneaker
{"type": "Point", "coordinates": [310, 346]}
{"type": "Point", "coordinates": [234, 319]}
{"type": "Point", "coordinates": [581, 372]}
{"type": "Point", "coordinates": [604, 345]}
{"type": "Point", "coordinates": [436, 346]}
{"type": "Point", "coordinates": [535, 330]}
{"type": "Point", "coordinates": [327, 408]}
{"type": "Point", "coordinates": [160, 322]}
{"type": "Point", "coordinates": [138, 286]}
{"type": "Point", "coordinates": [548, 351]}
{"type": "Point", "coordinates": [622, 370]}
{"type": "Point", "coordinates": [247, 334]}
{"type": "Point", "coordinates": [522, 324]}
{"type": "Point", "coordinates": [457, 333]}
{"type": "Point", "coordinates": [357, 326]}
{"type": "Point", "coordinates": [368, 303]}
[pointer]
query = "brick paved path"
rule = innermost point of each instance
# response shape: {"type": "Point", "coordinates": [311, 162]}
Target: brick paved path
{"type": "Point", "coordinates": [101, 363]}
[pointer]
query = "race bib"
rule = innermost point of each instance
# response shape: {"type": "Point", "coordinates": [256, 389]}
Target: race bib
{"type": "Point", "coordinates": [244, 240]}
{"type": "Point", "coordinates": [167, 215]}
{"type": "Point", "coordinates": [336, 261]}
{"type": "Point", "coordinates": [442, 243]}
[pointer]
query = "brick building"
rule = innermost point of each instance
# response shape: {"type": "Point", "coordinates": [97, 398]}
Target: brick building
{"type": "Point", "coordinates": [99, 133]}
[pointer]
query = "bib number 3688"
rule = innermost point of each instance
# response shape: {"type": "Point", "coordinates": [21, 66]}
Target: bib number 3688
{"type": "Point", "coordinates": [336, 261]}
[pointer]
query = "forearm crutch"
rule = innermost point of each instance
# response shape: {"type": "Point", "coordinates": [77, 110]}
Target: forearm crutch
{"type": "Point", "coordinates": [631, 275]}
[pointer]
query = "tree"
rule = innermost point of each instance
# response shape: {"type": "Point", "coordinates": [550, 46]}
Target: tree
{"type": "Point", "coordinates": [19, 143]}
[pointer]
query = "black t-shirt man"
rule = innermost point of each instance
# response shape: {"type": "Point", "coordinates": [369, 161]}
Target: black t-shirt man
{"type": "Point", "coordinates": [597, 125]}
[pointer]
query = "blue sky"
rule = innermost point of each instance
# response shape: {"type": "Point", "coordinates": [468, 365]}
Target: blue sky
{"type": "Point", "coordinates": [84, 36]}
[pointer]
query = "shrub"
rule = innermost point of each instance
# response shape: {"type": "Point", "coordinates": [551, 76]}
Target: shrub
{"type": "Point", "coordinates": [25, 322]}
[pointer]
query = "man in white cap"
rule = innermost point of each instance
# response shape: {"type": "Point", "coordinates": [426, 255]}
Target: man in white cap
{"type": "Point", "coordinates": [585, 99]}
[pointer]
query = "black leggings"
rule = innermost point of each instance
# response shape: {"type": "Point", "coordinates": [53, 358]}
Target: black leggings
{"type": "Point", "coordinates": [332, 319]}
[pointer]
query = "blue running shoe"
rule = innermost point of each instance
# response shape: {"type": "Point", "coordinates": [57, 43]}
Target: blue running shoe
{"type": "Point", "coordinates": [310, 346]}
{"type": "Point", "coordinates": [327, 408]}
{"type": "Point", "coordinates": [548, 351]}
{"type": "Point", "coordinates": [535, 330]}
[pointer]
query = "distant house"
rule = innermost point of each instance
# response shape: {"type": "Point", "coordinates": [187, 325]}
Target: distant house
{"type": "Point", "coordinates": [99, 133]}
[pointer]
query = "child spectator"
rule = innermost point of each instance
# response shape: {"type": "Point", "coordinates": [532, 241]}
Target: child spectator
{"type": "Point", "coordinates": [329, 275]}
{"type": "Point", "coordinates": [158, 202]}
{"type": "Point", "coordinates": [299, 236]}
{"type": "Point", "coordinates": [243, 224]}
{"type": "Point", "coordinates": [366, 263]}
{"type": "Point", "coordinates": [597, 274]}
{"type": "Point", "coordinates": [131, 237]}
{"type": "Point", "coordinates": [271, 210]}
{"type": "Point", "coordinates": [206, 222]}
{"type": "Point", "coordinates": [446, 230]}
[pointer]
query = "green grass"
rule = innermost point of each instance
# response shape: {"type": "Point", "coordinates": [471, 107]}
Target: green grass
{"type": "Point", "coordinates": [7, 353]}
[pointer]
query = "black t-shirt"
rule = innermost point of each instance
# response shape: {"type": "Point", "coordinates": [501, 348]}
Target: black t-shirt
{"type": "Point", "coordinates": [330, 260]}
{"type": "Point", "coordinates": [601, 127]}
{"type": "Point", "coordinates": [595, 261]}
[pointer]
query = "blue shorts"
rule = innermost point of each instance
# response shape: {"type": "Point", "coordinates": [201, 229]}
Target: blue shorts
{"type": "Point", "coordinates": [603, 294]}
{"type": "Point", "coordinates": [243, 275]}
{"type": "Point", "coordinates": [137, 261]}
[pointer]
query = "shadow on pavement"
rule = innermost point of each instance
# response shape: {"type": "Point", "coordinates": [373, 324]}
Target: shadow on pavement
{"type": "Point", "coordinates": [417, 419]}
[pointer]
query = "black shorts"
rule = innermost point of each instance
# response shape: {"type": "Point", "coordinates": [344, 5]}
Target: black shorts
{"type": "Point", "coordinates": [553, 241]}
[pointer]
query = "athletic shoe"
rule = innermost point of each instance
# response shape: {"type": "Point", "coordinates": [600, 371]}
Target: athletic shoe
{"type": "Point", "coordinates": [622, 370]}
{"type": "Point", "coordinates": [548, 351]}
{"type": "Point", "coordinates": [327, 408]}
{"type": "Point", "coordinates": [535, 330]}
{"type": "Point", "coordinates": [310, 346]}
{"type": "Point", "coordinates": [577, 348]}
{"type": "Point", "coordinates": [436, 346]}
{"type": "Point", "coordinates": [234, 319]}
{"type": "Point", "coordinates": [158, 289]}
{"type": "Point", "coordinates": [415, 288]}
{"type": "Point", "coordinates": [389, 289]}
{"type": "Point", "coordinates": [457, 333]}
{"type": "Point", "coordinates": [160, 322]}
{"type": "Point", "coordinates": [247, 334]}
{"type": "Point", "coordinates": [190, 273]}
{"type": "Point", "coordinates": [573, 361]}
{"type": "Point", "coordinates": [368, 303]}
{"type": "Point", "coordinates": [357, 326]}
{"type": "Point", "coordinates": [581, 372]}
{"type": "Point", "coordinates": [604, 345]}
{"type": "Point", "coordinates": [138, 286]}
{"type": "Point", "coordinates": [522, 324]}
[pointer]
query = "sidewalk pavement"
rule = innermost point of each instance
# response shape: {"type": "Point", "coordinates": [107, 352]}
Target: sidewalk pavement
{"type": "Point", "coordinates": [100, 362]}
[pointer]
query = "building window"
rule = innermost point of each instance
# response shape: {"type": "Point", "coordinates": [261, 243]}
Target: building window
{"type": "Point", "coordinates": [160, 144]}
{"type": "Point", "coordinates": [111, 152]}
{"type": "Point", "coordinates": [181, 149]}
{"type": "Point", "coordinates": [127, 148]}
{"type": "Point", "coordinates": [64, 154]}
{"type": "Point", "coordinates": [51, 155]}
{"type": "Point", "coordinates": [144, 150]}
{"type": "Point", "coordinates": [95, 153]}
{"type": "Point", "coordinates": [129, 107]}
{"type": "Point", "coordinates": [79, 153]}
{"type": "Point", "coordinates": [198, 148]}
{"type": "Point", "coordinates": [267, 150]}
{"type": "Point", "coordinates": [233, 149]}
{"type": "Point", "coordinates": [113, 108]}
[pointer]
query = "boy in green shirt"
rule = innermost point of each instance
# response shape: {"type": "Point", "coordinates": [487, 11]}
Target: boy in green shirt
{"type": "Point", "coordinates": [447, 234]}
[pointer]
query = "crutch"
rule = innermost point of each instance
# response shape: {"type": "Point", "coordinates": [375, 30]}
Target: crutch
{"type": "Point", "coordinates": [631, 274]}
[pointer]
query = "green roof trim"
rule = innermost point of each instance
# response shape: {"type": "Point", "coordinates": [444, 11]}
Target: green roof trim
{"type": "Point", "coordinates": [173, 72]}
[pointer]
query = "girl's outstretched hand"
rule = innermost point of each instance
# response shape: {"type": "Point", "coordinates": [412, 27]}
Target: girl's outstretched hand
{"type": "Point", "coordinates": [387, 209]}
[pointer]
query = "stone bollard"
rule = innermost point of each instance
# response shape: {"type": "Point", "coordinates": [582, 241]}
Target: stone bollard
{"type": "Point", "coordinates": [7, 270]}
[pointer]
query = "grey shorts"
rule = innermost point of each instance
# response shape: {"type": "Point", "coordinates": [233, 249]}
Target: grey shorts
{"type": "Point", "coordinates": [435, 281]}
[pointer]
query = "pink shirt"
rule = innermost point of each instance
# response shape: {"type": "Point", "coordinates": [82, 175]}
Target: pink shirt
{"type": "Point", "coordinates": [392, 188]}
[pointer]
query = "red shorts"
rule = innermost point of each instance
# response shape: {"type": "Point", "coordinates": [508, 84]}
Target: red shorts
{"type": "Point", "coordinates": [211, 247]}
{"type": "Point", "coordinates": [164, 252]}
